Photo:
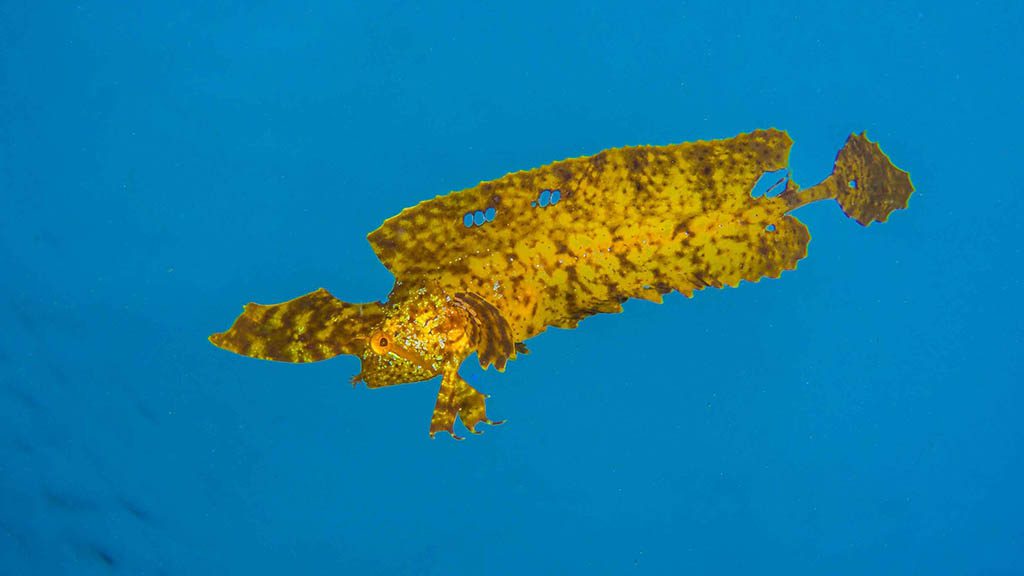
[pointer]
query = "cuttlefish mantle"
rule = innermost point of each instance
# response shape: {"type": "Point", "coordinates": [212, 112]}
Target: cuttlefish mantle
{"type": "Point", "coordinates": [484, 269]}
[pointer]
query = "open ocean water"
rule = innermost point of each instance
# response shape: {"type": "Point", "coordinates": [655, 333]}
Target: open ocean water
{"type": "Point", "coordinates": [161, 164]}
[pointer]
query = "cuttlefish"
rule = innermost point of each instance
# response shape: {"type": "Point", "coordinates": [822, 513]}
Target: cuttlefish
{"type": "Point", "coordinates": [484, 269]}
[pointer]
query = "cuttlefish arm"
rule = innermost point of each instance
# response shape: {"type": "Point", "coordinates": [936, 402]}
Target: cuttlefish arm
{"type": "Point", "coordinates": [457, 398]}
{"type": "Point", "coordinates": [489, 335]}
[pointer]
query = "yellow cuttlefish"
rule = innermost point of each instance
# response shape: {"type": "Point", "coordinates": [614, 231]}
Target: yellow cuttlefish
{"type": "Point", "coordinates": [484, 269]}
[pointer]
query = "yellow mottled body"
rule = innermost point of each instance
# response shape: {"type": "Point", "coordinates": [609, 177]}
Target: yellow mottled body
{"type": "Point", "coordinates": [631, 223]}
{"type": "Point", "coordinates": [551, 246]}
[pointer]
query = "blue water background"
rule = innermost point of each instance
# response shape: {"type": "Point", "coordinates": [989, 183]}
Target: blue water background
{"type": "Point", "coordinates": [161, 164]}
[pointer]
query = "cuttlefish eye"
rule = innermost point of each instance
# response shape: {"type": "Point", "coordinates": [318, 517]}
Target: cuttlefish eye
{"type": "Point", "coordinates": [380, 343]}
{"type": "Point", "coordinates": [384, 345]}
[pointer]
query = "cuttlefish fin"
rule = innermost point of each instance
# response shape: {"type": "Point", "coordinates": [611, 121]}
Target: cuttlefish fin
{"type": "Point", "coordinates": [492, 335]}
{"type": "Point", "coordinates": [865, 182]}
{"type": "Point", "coordinates": [457, 398]}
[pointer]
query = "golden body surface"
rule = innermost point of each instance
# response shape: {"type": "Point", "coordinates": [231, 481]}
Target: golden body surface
{"type": "Point", "coordinates": [484, 269]}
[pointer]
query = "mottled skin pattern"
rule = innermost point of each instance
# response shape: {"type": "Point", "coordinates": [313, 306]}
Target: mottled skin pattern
{"type": "Point", "coordinates": [314, 327]}
{"type": "Point", "coordinates": [634, 222]}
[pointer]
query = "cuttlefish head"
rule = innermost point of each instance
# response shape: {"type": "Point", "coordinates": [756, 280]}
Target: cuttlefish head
{"type": "Point", "coordinates": [427, 330]}
{"type": "Point", "coordinates": [416, 335]}
{"type": "Point", "coordinates": [396, 341]}
{"type": "Point", "coordinates": [420, 333]}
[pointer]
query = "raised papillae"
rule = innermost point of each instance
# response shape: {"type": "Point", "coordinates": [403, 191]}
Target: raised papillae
{"type": "Point", "coordinates": [484, 269]}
